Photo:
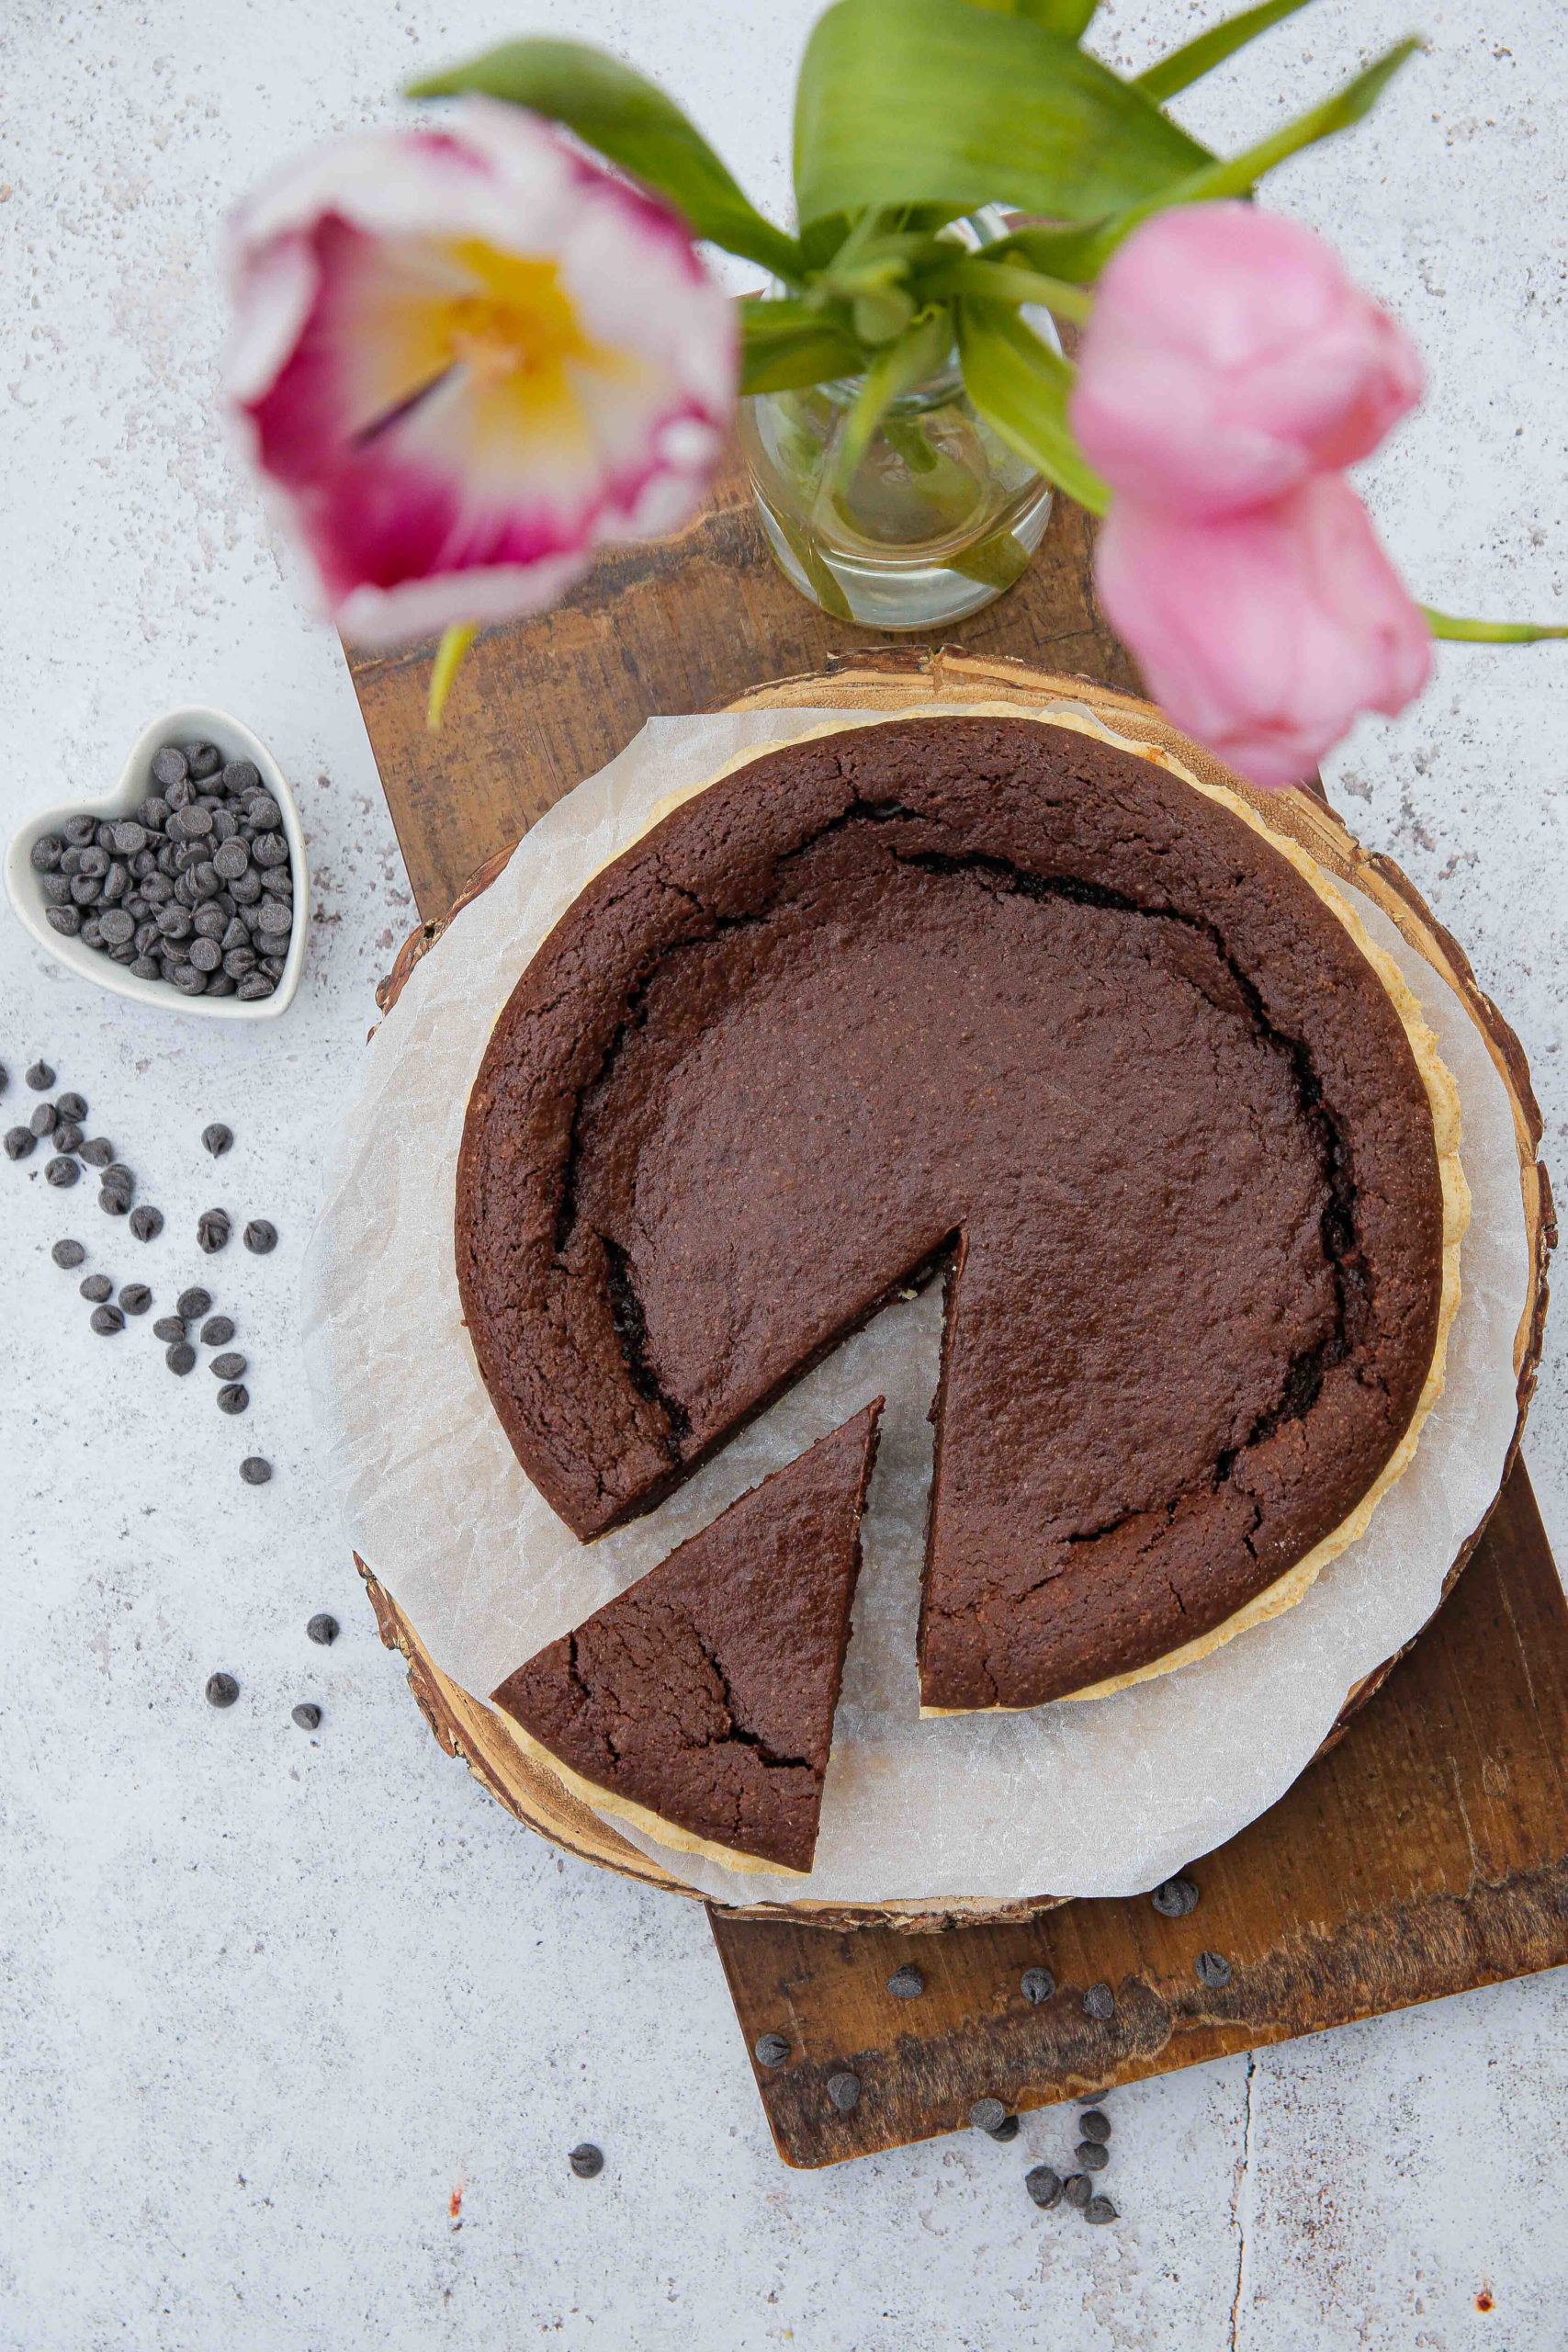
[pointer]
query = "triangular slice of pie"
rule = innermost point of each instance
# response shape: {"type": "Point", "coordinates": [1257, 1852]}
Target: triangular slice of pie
{"type": "Point", "coordinates": [703, 1696]}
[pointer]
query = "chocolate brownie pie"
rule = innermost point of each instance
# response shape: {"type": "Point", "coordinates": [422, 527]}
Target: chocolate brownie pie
{"type": "Point", "coordinates": [702, 1698]}
{"type": "Point", "coordinates": [989, 999]}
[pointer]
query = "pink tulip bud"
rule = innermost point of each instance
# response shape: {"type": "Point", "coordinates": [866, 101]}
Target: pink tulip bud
{"type": "Point", "coordinates": [1264, 634]}
{"type": "Point", "coordinates": [465, 360]}
{"type": "Point", "coordinates": [1228, 356]}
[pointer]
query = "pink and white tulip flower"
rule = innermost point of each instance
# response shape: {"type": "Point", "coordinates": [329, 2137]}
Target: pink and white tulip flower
{"type": "Point", "coordinates": [1228, 358]}
{"type": "Point", "coordinates": [466, 359]}
{"type": "Point", "coordinates": [1263, 635]}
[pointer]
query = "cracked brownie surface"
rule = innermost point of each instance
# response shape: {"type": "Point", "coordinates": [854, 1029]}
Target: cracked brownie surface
{"type": "Point", "coordinates": [990, 994]}
{"type": "Point", "coordinates": [706, 1691]}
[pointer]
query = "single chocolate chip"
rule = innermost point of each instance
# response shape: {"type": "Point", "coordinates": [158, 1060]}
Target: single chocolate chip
{"type": "Point", "coordinates": [1214, 1971]}
{"type": "Point", "coordinates": [240, 776]}
{"type": "Point", "coordinates": [212, 1230]}
{"type": "Point", "coordinates": [40, 1078]}
{"type": "Point", "coordinates": [118, 927]}
{"type": "Point", "coordinates": [181, 1357]}
{"type": "Point", "coordinates": [253, 987]}
{"type": "Point", "coordinates": [145, 968]}
{"type": "Point", "coordinates": [220, 985]}
{"type": "Point", "coordinates": [1175, 1898]}
{"type": "Point", "coordinates": [196, 822]}
{"type": "Point", "coordinates": [203, 758]}
{"type": "Point", "coordinates": [843, 2089]}
{"type": "Point", "coordinates": [245, 889]}
{"type": "Point", "coordinates": [194, 1303]}
{"type": "Point", "coordinates": [906, 1983]}
{"type": "Point", "coordinates": [169, 766]}
{"type": "Point", "coordinates": [988, 2114]}
{"type": "Point", "coordinates": [324, 1628]}
{"type": "Point", "coordinates": [113, 1201]}
{"type": "Point", "coordinates": [1099, 2208]}
{"type": "Point", "coordinates": [55, 890]}
{"type": "Point", "coordinates": [274, 919]}
{"type": "Point", "coordinates": [307, 1715]}
{"type": "Point", "coordinates": [67, 1135]}
{"type": "Point", "coordinates": [587, 2161]}
{"type": "Point", "coordinates": [174, 921]}
{"type": "Point", "coordinates": [169, 1328]}
{"type": "Point", "coordinates": [180, 795]}
{"type": "Point", "coordinates": [125, 953]}
{"type": "Point", "coordinates": [1092, 2154]}
{"type": "Point", "coordinates": [227, 1366]}
{"type": "Point", "coordinates": [45, 853]}
{"type": "Point", "coordinates": [66, 921]}
{"type": "Point", "coordinates": [221, 1689]}
{"type": "Point", "coordinates": [234, 1397]}
{"type": "Point", "coordinates": [1077, 2189]}
{"type": "Point", "coordinates": [263, 811]}
{"type": "Point", "coordinates": [94, 863]}
{"type": "Point", "coordinates": [68, 1254]}
{"type": "Point", "coordinates": [97, 1287]}
{"type": "Point", "coordinates": [62, 1172]}
{"type": "Point", "coordinates": [1006, 2129]}
{"type": "Point", "coordinates": [1036, 1984]}
{"type": "Point", "coordinates": [99, 1152]}
{"type": "Point", "coordinates": [210, 921]}
{"type": "Point", "coordinates": [147, 1222]}
{"type": "Point", "coordinates": [106, 1320]}
{"type": "Point", "coordinates": [1099, 2002]}
{"type": "Point", "coordinates": [230, 858]}
{"type": "Point", "coordinates": [129, 838]}
{"type": "Point", "coordinates": [768, 2049]}
{"type": "Point", "coordinates": [261, 1236]}
{"type": "Point", "coordinates": [78, 830]}
{"type": "Point", "coordinates": [217, 1332]}
{"type": "Point", "coordinates": [116, 886]}
{"type": "Point", "coordinates": [190, 981]}
{"type": "Point", "coordinates": [135, 1298]}
{"type": "Point", "coordinates": [239, 962]}
{"type": "Point", "coordinates": [1044, 2186]}
{"type": "Point", "coordinates": [117, 1177]}
{"type": "Point", "coordinates": [1094, 2123]}
{"type": "Point", "coordinates": [205, 955]}
{"type": "Point", "coordinates": [255, 1470]}
{"type": "Point", "coordinates": [19, 1141]}
{"type": "Point", "coordinates": [44, 1120]}
{"type": "Point", "coordinates": [270, 849]}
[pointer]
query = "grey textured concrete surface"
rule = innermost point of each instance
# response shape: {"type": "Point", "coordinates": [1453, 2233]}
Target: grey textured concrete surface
{"type": "Point", "coordinates": [296, 2031]}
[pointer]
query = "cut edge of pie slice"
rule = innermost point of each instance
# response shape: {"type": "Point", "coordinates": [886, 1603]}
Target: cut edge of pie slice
{"type": "Point", "coordinates": [698, 1704]}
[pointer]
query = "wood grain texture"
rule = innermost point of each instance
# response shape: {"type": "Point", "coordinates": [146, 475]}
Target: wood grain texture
{"type": "Point", "coordinates": [1426, 1853]}
{"type": "Point", "coordinates": [1323, 1919]}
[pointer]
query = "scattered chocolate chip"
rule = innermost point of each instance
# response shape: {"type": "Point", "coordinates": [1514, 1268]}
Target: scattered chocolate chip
{"type": "Point", "coordinates": [99, 1152]}
{"type": "Point", "coordinates": [221, 1689]}
{"type": "Point", "coordinates": [1214, 1971]}
{"type": "Point", "coordinates": [169, 1328]}
{"type": "Point", "coordinates": [1092, 2154]}
{"type": "Point", "coordinates": [226, 1367]}
{"type": "Point", "coordinates": [44, 1120]}
{"type": "Point", "coordinates": [181, 1357]}
{"type": "Point", "coordinates": [216, 1138]}
{"type": "Point", "coordinates": [194, 1303]}
{"type": "Point", "coordinates": [261, 1236]}
{"type": "Point", "coordinates": [1099, 2002]}
{"type": "Point", "coordinates": [234, 1397]}
{"type": "Point", "coordinates": [113, 1201]}
{"type": "Point", "coordinates": [1175, 1898]}
{"type": "Point", "coordinates": [587, 2161]}
{"type": "Point", "coordinates": [1006, 2129]}
{"type": "Point", "coordinates": [1099, 2208]}
{"type": "Point", "coordinates": [987, 2115]}
{"type": "Point", "coordinates": [906, 1983]}
{"type": "Point", "coordinates": [106, 1320]}
{"type": "Point", "coordinates": [212, 1230]}
{"type": "Point", "coordinates": [72, 1106]}
{"type": "Point", "coordinates": [95, 1288]}
{"type": "Point", "coordinates": [843, 2089]}
{"type": "Point", "coordinates": [147, 1222]}
{"type": "Point", "coordinates": [40, 1078]}
{"type": "Point", "coordinates": [217, 1332]}
{"type": "Point", "coordinates": [1094, 2123]}
{"type": "Point", "coordinates": [1036, 1984]}
{"type": "Point", "coordinates": [135, 1298]}
{"type": "Point", "coordinates": [1077, 2189]}
{"type": "Point", "coordinates": [1044, 2186]}
{"type": "Point", "coordinates": [324, 1628]}
{"type": "Point", "coordinates": [19, 1141]}
{"type": "Point", "coordinates": [255, 1470]}
{"type": "Point", "coordinates": [307, 1715]}
{"type": "Point", "coordinates": [68, 1254]}
{"type": "Point", "coordinates": [768, 2049]}
{"type": "Point", "coordinates": [67, 1135]}
{"type": "Point", "coordinates": [119, 1177]}
{"type": "Point", "coordinates": [60, 1171]}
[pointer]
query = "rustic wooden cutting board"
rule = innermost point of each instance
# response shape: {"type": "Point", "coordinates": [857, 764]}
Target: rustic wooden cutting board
{"type": "Point", "coordinates": [1426, 1852]}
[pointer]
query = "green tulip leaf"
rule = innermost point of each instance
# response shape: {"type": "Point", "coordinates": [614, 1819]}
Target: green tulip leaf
{"type": "Point", "coordinates": [920, 102]}
{"type": "Point", "coordinates": [632, 122]}
{"type": "Point", "coordinates": [1022, 387]}
{"type": "Point", "coordinates": [1069, 17]}
{"type": "Point", "coordinates": [1201, 56]}
{"type": "Point", "coordinates": [1466, 632]}
{"type": "Point", "coordinates": [786, 344]}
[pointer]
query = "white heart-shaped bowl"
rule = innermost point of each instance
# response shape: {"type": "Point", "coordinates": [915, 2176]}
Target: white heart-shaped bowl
{"type": "Point", "coordinates": [193, 722]}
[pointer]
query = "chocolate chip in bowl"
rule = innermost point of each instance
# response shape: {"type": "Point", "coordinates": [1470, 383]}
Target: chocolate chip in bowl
{"type": "Point", "coordinates": [159, 890]}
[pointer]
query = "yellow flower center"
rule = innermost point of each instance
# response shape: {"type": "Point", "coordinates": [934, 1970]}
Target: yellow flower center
{"type": "Point", "coordinates": [521, 327]}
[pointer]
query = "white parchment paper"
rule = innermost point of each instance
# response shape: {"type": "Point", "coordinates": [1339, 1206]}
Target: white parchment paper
{"type": "Point", "coordinates": [1096, 1798]}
